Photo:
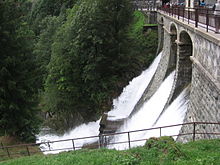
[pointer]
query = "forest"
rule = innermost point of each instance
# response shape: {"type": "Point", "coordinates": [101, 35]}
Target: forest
{"type": "Point", "coordinates": [63, 62]}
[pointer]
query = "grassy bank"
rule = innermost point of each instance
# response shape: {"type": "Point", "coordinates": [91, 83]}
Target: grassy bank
{"type": "Point", "coordinates": [14, 152]}
{"type": "Point", "coordinates": [156, 151]}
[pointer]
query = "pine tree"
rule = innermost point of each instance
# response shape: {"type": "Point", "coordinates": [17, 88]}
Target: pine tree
{"type": "Point", "coordinates": [18, 115]}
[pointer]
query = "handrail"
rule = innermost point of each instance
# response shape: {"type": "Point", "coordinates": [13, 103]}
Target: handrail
{"type": "Point", "coordinates": [200, 17]}
{"type": "Point", "coordinates": [104, 143]}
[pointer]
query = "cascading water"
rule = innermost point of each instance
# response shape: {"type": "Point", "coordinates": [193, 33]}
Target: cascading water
{"type": "Point", "coordinates": [174, 114]}
{"type": "Point", "coordinates": [124, 104]}
{"type": "Point", "coordinates": [147, 115]}
{"type": "Point", "coordinates": [145, 118]}
{"type": "Point", "coordinates": [84, 130]}
{"type": "Point", "coordinates": [135, 89]}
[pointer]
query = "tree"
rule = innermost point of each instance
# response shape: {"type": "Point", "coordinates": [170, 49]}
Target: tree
{"type": "Point", "coordinates": [87, 57]}
{"type": "Point", "coordinates": [18, 113]}
{"type": "Point", "coordinates": [43, 47]}
{"type": "Point", "coordinates": [91, 61]}
{"type": "Point", "coordinates": [43, 8]}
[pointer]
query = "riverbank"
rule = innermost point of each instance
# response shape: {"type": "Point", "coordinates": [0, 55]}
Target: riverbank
{"type": "Point", "coordinates": [156, 151]}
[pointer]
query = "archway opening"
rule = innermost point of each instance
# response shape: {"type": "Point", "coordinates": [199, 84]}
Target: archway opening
{"type": "Point", "coordinates": [184, 65]}
{"type": "Point", "coordinates": [185, 50]}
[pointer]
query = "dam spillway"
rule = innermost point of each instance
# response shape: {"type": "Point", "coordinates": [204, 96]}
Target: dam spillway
{"type": "Point", "coordinates": [194, 55]}
{"type": "Point", "coordinates": [145, 117]}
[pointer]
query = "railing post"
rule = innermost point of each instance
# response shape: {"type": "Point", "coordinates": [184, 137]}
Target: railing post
{"type": "Point", "coordinates": [188, 15]}
{"type": "Point", "coordinates": [194, 131]}
{"type": "Point", "coordinates": [169, 10]}
{"type": "Point", "coordinates": [101, 140]}
{"type": "Point", "coordinates": [129, 142]}
{"type": "Point", "coordinates": [172, 11]}
{"type": "Point", "coordinates": [105, 141]}
{"type": "Point", "coordinates": [196, 17]}
{"type": "Point", "coordinates": [207, 20]}
{"type": "Point", "coordinates": [183, 13]}
{"type": "Point", "coordinates": [8, 152]}
{"type": "Point", "coordinates": [28, 152]}
{"type": "Point", "coordinates": [160, 131]}
{"type": "Point", "coordinates": [2, 145]}
{"type": "Point", "coordinates": [49, 146]}
{"type": "Point", "coordinates": [178, 12]}
{"type": "Point", "coordinates": [73, 145]}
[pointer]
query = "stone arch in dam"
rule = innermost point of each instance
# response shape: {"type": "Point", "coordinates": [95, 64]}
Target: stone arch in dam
{"type": "Point", "coordinates": [172, 48]}
{"type": "Point", "coordinates": [198, 66]}
{"type": "Point", "coordinates": [184, 64]}
{"type": "Point", "coordinates": [194, 55]}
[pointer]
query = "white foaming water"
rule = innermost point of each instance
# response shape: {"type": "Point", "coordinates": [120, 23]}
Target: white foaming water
{"type": "Point", "coordinates": [124, 104]}
{"type": "Point", "coordinates": [174, 114]}
{"type": "Point", "coordinates": [146, 116]}
{"type": "Point", "coordinates": [84, 130]}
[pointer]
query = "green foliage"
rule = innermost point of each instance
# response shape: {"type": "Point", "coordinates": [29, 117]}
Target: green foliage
{"type": "Point", "coordinates": [43, 46]}
{"type": "Point", "coordinates": [18, 115]}
{"type": "Point", "coordinates": [144, 44]}
{"type": "Point", "coordinates": [88, 58]}
{"type": "Point", "coordinates": [43, 8]}
{"type": "Point", "coordinates": [77, 56]}
{"type": "Point", "coordinates": [85, 55]}
{"type": "Point", "coordinates": [205, 152]}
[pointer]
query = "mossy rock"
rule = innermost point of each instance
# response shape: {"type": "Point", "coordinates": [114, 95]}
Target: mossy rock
{"type": "Point", "coordinates": [160, 142]}
{"type": "Point", "coordinates": [166, 145]}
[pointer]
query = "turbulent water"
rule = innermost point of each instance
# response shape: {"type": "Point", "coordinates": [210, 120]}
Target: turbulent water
{"type": "Point", "coordinates": [84, 130]}
{"type": "Point", "coordinates": [151, 110]}
{"type": "Point", "coordinates": [123, 106]}
{"type": "Point", "coordinates": [135, 89]}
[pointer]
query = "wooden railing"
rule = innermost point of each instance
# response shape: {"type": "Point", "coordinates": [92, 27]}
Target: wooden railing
{"type": "Point", "coordinates": [103, 140]}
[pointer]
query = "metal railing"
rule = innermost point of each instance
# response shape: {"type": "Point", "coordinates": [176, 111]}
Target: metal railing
{"type": "Point", "coordinates": [200, 17]}
{"type": "Point", "coordinates": [197, 130]}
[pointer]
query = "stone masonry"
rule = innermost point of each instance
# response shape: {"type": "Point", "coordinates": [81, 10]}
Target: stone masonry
{"type": "Point", "coordinates": [202, 71]}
